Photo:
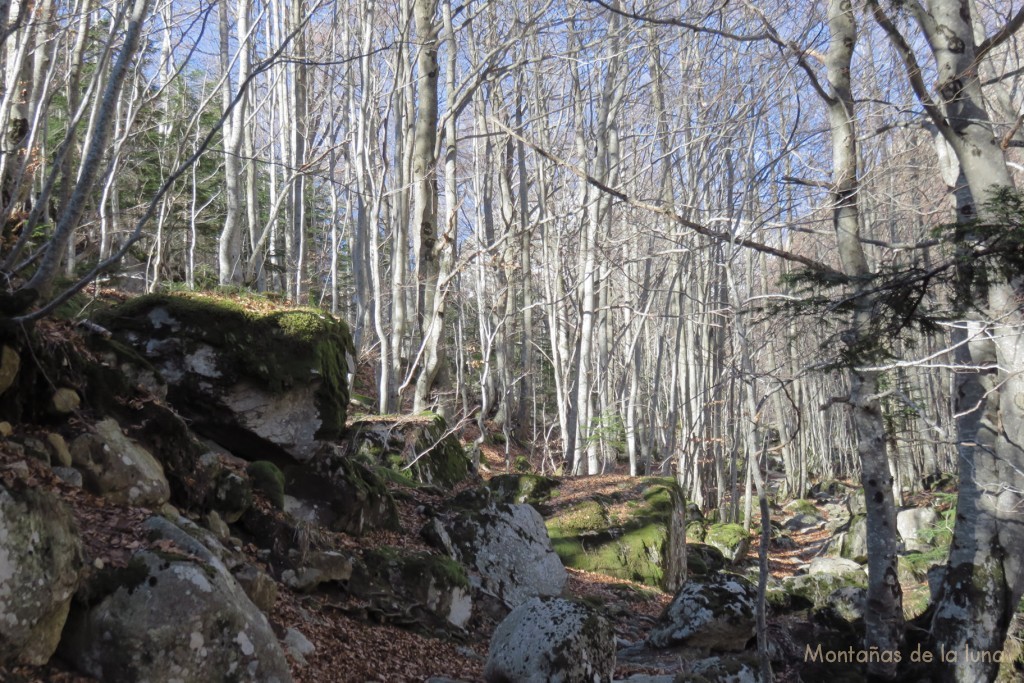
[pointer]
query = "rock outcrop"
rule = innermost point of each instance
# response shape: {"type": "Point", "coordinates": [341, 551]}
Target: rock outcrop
{"type": "Point", "coordinates": [261, 384]}
{"type": "Point", "coordinates": [551, 640]}
{"type": "Point", "coordinates": [506, 547]}
{"type": "Point", "coordinates": [716, 612]}
{"type": "Point", "coordinates": [172, 615]}
{"type": "Point", "coordinates": [40, 561]}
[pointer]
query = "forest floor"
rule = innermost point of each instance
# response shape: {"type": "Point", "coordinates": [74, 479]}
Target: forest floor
{"type": "Point", "coordinates": [352, 643]}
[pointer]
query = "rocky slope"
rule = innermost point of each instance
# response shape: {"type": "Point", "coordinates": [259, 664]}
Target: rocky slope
{"type": "Point", "coordinates": [184, 496]}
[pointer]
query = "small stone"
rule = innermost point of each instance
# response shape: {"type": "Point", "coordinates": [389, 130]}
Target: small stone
{"type": "Point", "coordinates": [66, 401]}
{"type": "Point", "coordinates": [69, 475]}
{"type": "Point", "coordinates": [35, 448]}
{"type": "Point", "coordinates": [60, 449]}
{"type": "Point", "coordinates": [218, 526]}
{"type": "Point", "coordinates": [98, 563]}
{"type": "Point", "coordinates": [169, 511]}
{"type": "Point", "coordinates": [258, 585]}
{"type": "Point", "coordinates": [6, 429]}
{"type": "Point", "coordinates": [298, 646]}
{"type": "Point", "coordinates": [10, 363]}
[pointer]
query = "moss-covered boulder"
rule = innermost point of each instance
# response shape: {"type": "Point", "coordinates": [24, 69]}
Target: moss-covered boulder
{"type": "Point", "coordinates": [341, 493]}
{"type": "Point", "coordinates": [631, 531]}
{"type": "Point", "coordinates": [732, 539]}
{"type": "Point", "coordinates": [815, 590]}
{"type": "Point", "coordinates": [260, 380]}
{"type": "Point", "coordinates": [419, 446]}
{"type": "Point", "coordinates": [702, 559]}
{"type": "Point", "coordinates": [268, 478]}
{"type": "Point", "coordinates": [533, 489]}
{"type": "Point", "coordinates": [800, 506]}
{"type": "Point", "coordinates": [428, 581]}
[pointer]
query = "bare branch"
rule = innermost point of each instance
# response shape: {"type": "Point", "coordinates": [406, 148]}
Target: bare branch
{"type": "Point", "coordinates": [698, 228]}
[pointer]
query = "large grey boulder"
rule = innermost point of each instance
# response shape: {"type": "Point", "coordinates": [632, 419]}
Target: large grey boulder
{"type": "Point", "coordinates": [40, 559]}
{"type": "Point", "coordinates": [803, 521]}
{"type": "Point", "coordinates": [910, 523]}
{"type": "Point", "coordinates": [506, 547]}
{"type": "Point", "coordinates": [633, 531]}
{"type": "Point", "coordinates": [551, 640]}
{"type": "Point", "coordinates": [259, 383]}
{"type": "Point", "coordinates": [851, 540]}
{"type": "Point", "coordinates": [716, 612]}
{"type": "Point", "coordinates": [835, 565]}
{"type": "Point", "coordinates": [117, 468]}
{"type": "Point", "coordinates": [174, 615]}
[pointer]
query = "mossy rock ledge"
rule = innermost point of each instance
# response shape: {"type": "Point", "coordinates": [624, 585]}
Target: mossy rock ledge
{"type": "Point", "coordinates": [420, 447]}
{"type": "Point", "coordinates": [635, 532]}
{"type": "Point", "coordinates": [264, 382]}
{"type": "Point", "coordinates": [432, 581]}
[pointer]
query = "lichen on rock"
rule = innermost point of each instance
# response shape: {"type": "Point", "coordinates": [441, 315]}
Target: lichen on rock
{"type": "Point", "coordinates": [40, 561]}
{"type": "Point", "coordinates": [716, 612]}
{"type": "Point", "coordinates": [248, 376]}
{"type": "Point", "coordinates": [177, 615]}
{"type": "Point", "coordinates": [552, 640]}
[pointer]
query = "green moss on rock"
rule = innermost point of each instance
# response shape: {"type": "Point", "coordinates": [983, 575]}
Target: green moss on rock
{"type": "Point", "coordinates": [268, 478]}
{"type": "Point", "coordinates": [413, 567]}
{"type": "Point", "coordinates": [801, 506]}
{"type": "Point", "coordinates": [275, 348]}
{"type": "Point", "coordinates": [421, 447]}
{"type": "Point", "coordinates": [732, 539]}
{"type": "Point", "coordinates": [625, 534]}
{"type": "Point", "coordinates": [814, 589]}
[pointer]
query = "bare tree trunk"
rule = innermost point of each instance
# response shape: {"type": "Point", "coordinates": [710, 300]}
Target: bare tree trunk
{"type": "Point", "coordinates": [424, 171]}
{"type": "Point", "coordinates": [884, 613]}
{"type": "Point", "coordinates": [984, 580]}
{"type": "Point", "coordinates": [230, 244]}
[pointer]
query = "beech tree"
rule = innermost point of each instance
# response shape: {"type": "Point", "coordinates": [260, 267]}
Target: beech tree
{"type": "Point", "coordinates": [984, 579]}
